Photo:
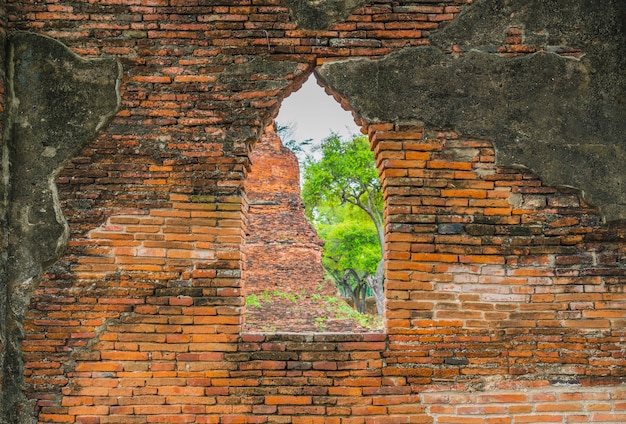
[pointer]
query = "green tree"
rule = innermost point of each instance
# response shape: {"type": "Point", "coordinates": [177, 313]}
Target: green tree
{"type": "Point", "coordinates": [343, 198]}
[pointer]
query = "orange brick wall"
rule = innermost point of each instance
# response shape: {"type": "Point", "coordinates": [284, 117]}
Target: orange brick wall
{"type": "Point", "coordinates": [493, 272]}
{"type": "Point", "coordinates": [505, 300]}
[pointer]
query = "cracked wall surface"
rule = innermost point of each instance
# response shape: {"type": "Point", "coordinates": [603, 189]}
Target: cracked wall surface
{"type": "Point", "coordinates": [504, 294]}
{"type": "Point", "coordinates": [57, 103]}
{"type": "Point", "coordinates": [563, 117]}
{"type": "Point", "coordinates": [320, 15]}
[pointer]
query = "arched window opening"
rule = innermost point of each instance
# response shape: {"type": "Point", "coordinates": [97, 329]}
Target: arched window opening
{"type": "Point", "coordinates": [290, 284]}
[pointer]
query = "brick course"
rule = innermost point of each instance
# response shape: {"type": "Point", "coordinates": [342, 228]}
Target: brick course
{"type": "Point", "coordinates": [505, 300]}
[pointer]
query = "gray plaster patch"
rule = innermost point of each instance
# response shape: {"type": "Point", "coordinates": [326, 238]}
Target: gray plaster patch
{"type": "Point", "coordinates": [321, 14]}
{"type": "Point", "coordinates": [563, 118]}
{"type": "Point", "coordinates": [57, 104]}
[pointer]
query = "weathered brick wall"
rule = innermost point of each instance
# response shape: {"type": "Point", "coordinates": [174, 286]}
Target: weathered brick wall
{"type": "Point", "coordinates": [3, 240]}
{"type": "Point", "coordinates": [505, 299]}
{"type": "Point", "coordinates": [527, 273]}
{"type": "Point", "coordinates": [283, 251]}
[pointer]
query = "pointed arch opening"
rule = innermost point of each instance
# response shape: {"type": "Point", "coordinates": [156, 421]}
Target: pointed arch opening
{"type": "Point", "coordinates": [288, 284]}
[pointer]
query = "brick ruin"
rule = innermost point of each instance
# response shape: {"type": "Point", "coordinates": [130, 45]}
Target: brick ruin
{"type": "Point", "coordinates": [283, 254]}
{"type": "Point", "coordinates": [498, 132]}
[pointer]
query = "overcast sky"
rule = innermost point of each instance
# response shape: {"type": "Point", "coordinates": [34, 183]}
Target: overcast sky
{"type": "Point", "coordinates": [314, 114]}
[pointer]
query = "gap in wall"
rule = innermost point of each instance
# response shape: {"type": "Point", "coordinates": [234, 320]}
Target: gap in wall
{"type": "Point", "coordinates": [285, 285]}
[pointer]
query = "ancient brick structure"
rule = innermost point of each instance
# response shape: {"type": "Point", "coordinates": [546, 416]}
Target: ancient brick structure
{"type": "Point", "coordinates": [280, 244]}
{"type": "Point", "coordinates": [505, 283]}
{"type": "Point", "coordinates": [283, 254]}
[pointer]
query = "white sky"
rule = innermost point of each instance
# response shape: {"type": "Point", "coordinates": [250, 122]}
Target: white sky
{"type": "Point", "coordinates": [314, 114]}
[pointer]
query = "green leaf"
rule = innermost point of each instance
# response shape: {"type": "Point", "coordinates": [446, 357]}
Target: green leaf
{"type": "Point", "coordinates": [343, 198]}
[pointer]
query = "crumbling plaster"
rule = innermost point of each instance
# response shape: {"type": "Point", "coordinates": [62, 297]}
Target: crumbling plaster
{"type": "Point", "coordinates": [57, 104]}
{"type": "Point", "coordinates": [321, 14]}
{"type": "Point", "coordinates": [560, 116]}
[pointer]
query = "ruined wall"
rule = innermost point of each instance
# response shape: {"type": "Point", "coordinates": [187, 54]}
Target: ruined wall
{"type": "Point", "coordinates": [550, 109]}
{"type": "Point", "coordinates": [505, 293]}
{"type": "Point", "coordinates": [3, 252]}
{"type": "Point", "coordinates": [56, 103]}
{"type": "Point", "coordinates": [283, 254]}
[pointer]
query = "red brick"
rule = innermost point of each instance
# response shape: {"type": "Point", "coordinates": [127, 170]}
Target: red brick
{"type": "Point", "coordinates": [520, 300]}
{"type": "Point", "coordinates": [288, 400]}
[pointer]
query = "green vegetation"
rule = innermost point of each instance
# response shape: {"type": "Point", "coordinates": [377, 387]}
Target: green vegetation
{"type": "Point", "coordinates": [320, 323]}
{"type": "Point", "coordinates": [343, 198]}
{"type": "Point", "coordinates": [253, 301]}
{"type": "Point", "coordinates": [341, 310]}
{"type": "Point", "coordinates": [336, 309]}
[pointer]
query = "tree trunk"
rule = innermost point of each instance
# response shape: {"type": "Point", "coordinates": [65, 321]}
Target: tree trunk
{"type": "Point", "coordinates": [357, 293]}
{"type": "Point", "coordinates": [376, 284]}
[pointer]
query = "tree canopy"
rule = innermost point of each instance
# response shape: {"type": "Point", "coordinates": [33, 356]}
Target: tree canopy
{"type": "Point", "coordinates": [343, 198]}
{"type": "Point", "coordinates": [351, 239]}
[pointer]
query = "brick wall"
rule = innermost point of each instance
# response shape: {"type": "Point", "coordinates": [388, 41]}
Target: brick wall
{"type": "Point", "coordinates": [3, 236]}
{"type": "Point", "coordinates": [505, 300]}
{"type": "Point", "coordinates": [493, 272]}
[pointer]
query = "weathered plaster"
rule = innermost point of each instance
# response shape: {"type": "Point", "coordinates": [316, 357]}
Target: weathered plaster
{"type": "Point", "coordinates": [57, 104]}
{"type": "Point", "coordinates": [563, 118]}
{"type": "Point", "coordinates": [321, 14]}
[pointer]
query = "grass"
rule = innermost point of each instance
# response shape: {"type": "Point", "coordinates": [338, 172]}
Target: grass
{"type": "Point", "coordinates": [342, 310]}
{"type": "Point", "coordinates": [335, 307]}
{"type": "Point", "coordinates": [253, 300]}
